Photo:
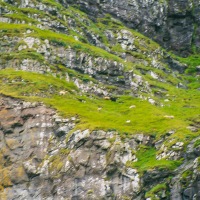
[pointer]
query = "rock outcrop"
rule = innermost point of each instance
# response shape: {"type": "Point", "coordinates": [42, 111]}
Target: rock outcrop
{"type": "Point", "coordinates": [42, 158]}
{"type": "Point", "coordinates": [173, 24]}
{"type": "Point", "coordinates": [92, 109]}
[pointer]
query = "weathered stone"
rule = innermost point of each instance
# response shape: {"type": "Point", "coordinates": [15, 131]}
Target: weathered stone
{"type": "Point", "coordinates": [62, 131]}
{"type": "Point", "coordinates": [18, 175]}
{"type": "Point", "coordinates": [44, 166]}
{"type": "Point", "coordinates": [170, 23]}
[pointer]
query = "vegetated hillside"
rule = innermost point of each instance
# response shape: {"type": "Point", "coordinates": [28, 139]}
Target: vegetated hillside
{"type": "Point", "coordinates": [91, 109]}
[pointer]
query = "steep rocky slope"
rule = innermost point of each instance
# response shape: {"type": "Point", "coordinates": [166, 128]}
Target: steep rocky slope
{"type": "Point", "coordinates": [91, 109]}
{"type": "Point", "coordinates": [174, 24]}
{"type": "Point", "coordinates": [41, 159]}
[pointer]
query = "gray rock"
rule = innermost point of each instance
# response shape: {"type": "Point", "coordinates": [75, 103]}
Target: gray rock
{"type": "Point", "coordinates": [86, 166]}
{"type": "Point", "coordinates": [170, 23]}
{"type": "Point", "coordinates": [62, 131]}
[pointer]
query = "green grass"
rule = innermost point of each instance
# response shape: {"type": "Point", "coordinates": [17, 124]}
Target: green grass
{"type": "Point", "coordinates": [53, 3]}
{"type": "Point", "coordinates": [197, 143]}
{"type": "Point", "coordinates": [184, 104]}
{"type": "Point", "coordinates": [21, 83]}
{"type": "Point", "coordinates": [64, 40]}
{"type": "Point", "coordinates": [147, 161]}
{"type": "Point", "coordinates": [193, 82]}
{"type": "Point", "coordinates": [143, 43]}
{"type": "Point", "coordinates": [186, 177]}
{"type": "Point", "coordinates": [25, 54]}
{"type": "Point", "coordinates": [59, 37]}
{"type": "Point", "coordinates": [73, 73]}
{"type": "Point", "coordinates": [114, 114]}
{"type": "Point", "coordinates": [155, 190]}
{"type": "Point", "coordinates": [192, 61]}
{"type": "Point", "coordinates": [145, 118]}
{"type": "Point", "coordinates": [21, 17]}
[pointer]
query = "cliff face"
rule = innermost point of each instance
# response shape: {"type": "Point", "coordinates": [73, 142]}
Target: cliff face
{"type": "Point", "coordinates": [42, 158]}
{"type": "Point", "coordinates": [173, 24]}
{"type": "Point", "coordinates": [91, 109]}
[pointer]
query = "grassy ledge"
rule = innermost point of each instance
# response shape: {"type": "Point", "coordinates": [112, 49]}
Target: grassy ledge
{"type": "Point", "coordinates": [144, 118]}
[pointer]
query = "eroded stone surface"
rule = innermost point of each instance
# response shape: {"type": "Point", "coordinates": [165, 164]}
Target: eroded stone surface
{"type": "Point", "coordinates": [170, 23]}
{"type": "Point", "coordinates": [41, 159]}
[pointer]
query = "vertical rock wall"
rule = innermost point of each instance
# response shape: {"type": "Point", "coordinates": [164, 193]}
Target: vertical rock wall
{"type": "Point", "coordinates": [173, 24]}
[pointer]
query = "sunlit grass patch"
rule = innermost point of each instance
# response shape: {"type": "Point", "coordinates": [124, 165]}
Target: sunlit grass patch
{"type": "Point", "coordinates": [143, 118]}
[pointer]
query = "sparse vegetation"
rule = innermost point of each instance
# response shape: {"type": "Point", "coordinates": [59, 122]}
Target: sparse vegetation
{"type": "Point", "coordinates": [156, 191]}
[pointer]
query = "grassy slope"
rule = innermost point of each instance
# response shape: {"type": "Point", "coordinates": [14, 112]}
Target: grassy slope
{"type": "Point", "coordinates": [145, 118]}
